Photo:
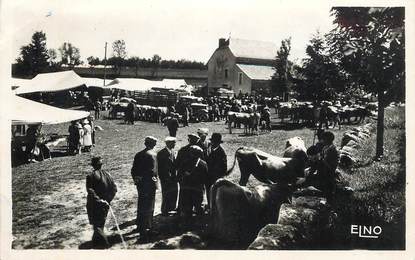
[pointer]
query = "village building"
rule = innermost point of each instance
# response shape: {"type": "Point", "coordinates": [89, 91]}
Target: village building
{"type": "Point", "coordinates": [244, 66]}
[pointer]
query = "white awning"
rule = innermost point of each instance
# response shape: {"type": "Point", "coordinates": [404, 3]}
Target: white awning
{"type": "Point", "coordinates": [52, 82]}
{"type": "Point", "coordinates": [134, 84]}
{"type": "Point", "coordinates": [26, 112]}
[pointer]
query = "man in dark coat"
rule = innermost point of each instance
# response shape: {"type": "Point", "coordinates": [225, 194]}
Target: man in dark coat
{"type": "Point", "coordinates": [129, 113]}
{"type": "Point", "coordinates": [168, 179]}
{"type": "Point", "coordinates": [192, 179]}
{"type": "Point", "coordinates": [216, 162]}
{"type": "Point", "coordinates": [101, 190]}
{"type": "Point", "coordinates": [203, 142]}
{"type": "Point", "coordinates": [144, 173]}
{"type": "Point", "coordinates": [172, 125]}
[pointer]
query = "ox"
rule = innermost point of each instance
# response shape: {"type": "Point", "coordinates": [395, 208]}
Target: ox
{"type": "Point", "coordinates": [249, 120]}
{"type": "Point", "coordinates": [237, 213]}
{"type": "Point", "coordinates": [268, 168]}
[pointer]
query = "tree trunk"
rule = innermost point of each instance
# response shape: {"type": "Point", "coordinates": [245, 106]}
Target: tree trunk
{"type": "Point", "coordinates": [380, 124]}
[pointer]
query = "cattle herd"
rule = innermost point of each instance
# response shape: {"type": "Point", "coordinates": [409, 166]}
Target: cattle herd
{"type": "Point", "coordinates": [252, 113]}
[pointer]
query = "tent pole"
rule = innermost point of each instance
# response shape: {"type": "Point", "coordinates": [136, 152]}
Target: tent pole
{"type": "Point", "coordinates": [105, 63]}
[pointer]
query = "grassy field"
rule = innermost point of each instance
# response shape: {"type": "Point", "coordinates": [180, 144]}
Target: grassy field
{"type": "Point", "coordinates": [379, 197]}
{"type": "Point", "coordinates": [49, 197]}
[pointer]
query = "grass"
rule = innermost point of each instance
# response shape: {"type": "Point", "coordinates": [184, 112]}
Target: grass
{"type": "Point", "coordinates": [49, 197]}
{"type": "Point", "coordinates": [379, 197]}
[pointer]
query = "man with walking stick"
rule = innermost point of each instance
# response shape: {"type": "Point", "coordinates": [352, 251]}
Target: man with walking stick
{"type": "Point", "coordinates": [101, 190]}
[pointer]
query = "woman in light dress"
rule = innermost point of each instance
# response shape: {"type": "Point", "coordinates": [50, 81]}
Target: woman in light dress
{"type": "Point", "coordinates": [87, 136]}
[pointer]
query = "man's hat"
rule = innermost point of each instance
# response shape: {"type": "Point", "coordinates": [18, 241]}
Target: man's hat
{"type": "Point", "coordinates": [97, 160]}
{"type": "Point", "coordinates": [193, 136]}
{"type": "Point", "coordinates": [150, 139]}
{"type": "Point", "coordinates": [203, 131]}
{"type": "Point", "coordinates": [216, 138]}
{"type": "Point", "coordinates": [170, 139]}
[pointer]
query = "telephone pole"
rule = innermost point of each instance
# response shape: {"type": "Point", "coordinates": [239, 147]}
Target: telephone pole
{"type": "Point", "coordinates": [105, 63]}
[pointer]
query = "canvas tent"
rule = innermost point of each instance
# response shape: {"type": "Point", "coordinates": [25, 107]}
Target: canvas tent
{"type": "Point", "coordinates": [176, 84]}
{"type": "Point", "coordinates": [52, 82]}
{"type": "Point", "coordinates": [26, 112]}
{"type": "Point", "coordinates": [17, 83]}
{"type": "Point", "coordinates": [134, 84]}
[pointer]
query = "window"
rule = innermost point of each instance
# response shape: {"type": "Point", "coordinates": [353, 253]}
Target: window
{"type": "Point", "coordinates": [226, 73]}
{"type": "Point", "coordinates": [240, 78]}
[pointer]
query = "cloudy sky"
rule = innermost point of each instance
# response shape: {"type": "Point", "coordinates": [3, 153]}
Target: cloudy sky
{"type": "Point", "coordinates": [173, 29]}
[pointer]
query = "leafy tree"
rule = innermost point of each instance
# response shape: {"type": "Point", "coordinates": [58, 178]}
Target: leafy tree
{"type": "Point", "coordinates": [322, 77]}
{"type": "Point", "coordinates": [92, 61]}
{"type": "Point", "coordinates": [70, 55]}
{"type": "Point", "coordinates": [53, 55]}
{"type": "Point", "coordinates": [370, 42]}
{"type": "Point", "coordinates": [119, 49]}
{"type": "Point", "coordinates": [280, 80]}
{"type": "Point", "coordinates": [34, 56]}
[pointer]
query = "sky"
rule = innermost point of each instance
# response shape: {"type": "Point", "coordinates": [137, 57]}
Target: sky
{"type": "Point", "coordinates": [175, 29]}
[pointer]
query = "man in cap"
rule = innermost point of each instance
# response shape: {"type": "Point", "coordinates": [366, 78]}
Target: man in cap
{"type": "Point", "coordinates": [101, 190]}
{"type": "Point", "coordinates": [203, 142]}
{"type": "Point", "coordinates": [192, 178]}
{"type": "Point", "coordinates": [172, 125]}
{"type": "Point", "coordinates": [182, 160]}
{"type": "Point", "coordinates": [167, 173]}
{"type": "Point", "coordinates": [144, 173]}
{"type": "Point", "coordinates": [216, 162]}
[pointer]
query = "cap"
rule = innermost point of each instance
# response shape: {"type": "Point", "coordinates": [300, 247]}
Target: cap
{"type": "Point", "coordinates": [193, 136]}
{"type": "Point", "coordinates": [150, 139]}
{"type": "Point", "coordinates": [97, 160]}
{"type": "Point", "coordinates": [170, 139]}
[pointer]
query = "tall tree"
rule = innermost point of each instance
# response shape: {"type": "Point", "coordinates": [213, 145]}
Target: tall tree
{"type": "Point", "coordinates": [280, 79]}
{"type": "Point", "coordinates": [370, 42]}
{"type": "Point", "coordinates": [119, 53]}
{"type": "Point", "coordinates": [322, 77]}
{"type": "Point", "coordinates": [34, 56]}
{"type": "Point", "coordinates": [70, 55]}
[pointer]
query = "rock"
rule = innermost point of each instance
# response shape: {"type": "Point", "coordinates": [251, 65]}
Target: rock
{"type": "Point", "coordinates": [188, 240]}
{"type": "Point", "coordinates": [275, 237]}
{"type": "Point", "coordinates": [312, 202]}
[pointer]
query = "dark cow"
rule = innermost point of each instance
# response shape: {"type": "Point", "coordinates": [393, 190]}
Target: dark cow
{"type": "Point", "coordinates": [249, 120]}
{"type": "Point", "coordinates": [268, 168]}
{"type": "Point", "coordinates": [237, 213]}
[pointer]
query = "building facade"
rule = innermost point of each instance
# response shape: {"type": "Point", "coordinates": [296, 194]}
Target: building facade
{"type": "Point", "coordinates": [244, 66]}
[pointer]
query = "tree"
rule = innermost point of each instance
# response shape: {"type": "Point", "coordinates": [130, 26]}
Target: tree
{"type": "Point", "coordinates": [53, 55]}
{"type": "Point", "coordinates": [370, 42]}
{"type": "Point", "coordinates": [93, 61]}
{"type": "Point", "coordinates": [155, 63]}
{"type": "Point", "coordinates": [34, 56]}
{"type": "Point", "coordinates": [119, 49]}
{"type": "Point", "coordinates": [70, 55]}
{"type": "Point", "coordinates": [280, 80]}
{"type": "Point", "coordinates": [322, 77]}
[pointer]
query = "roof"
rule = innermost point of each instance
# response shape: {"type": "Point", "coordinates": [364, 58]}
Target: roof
{"type": "Point", "coordinates": [51, 82]}
{"type": "Point", "coordinates": [137, 84]}
{"type": "Point", "coordinates": [253, 49]}
{"type": "Point", "coordinates": [94, 82]}
{"type": "Point", "coordinates": [17, 82]}
{"type": "Point", "coordinates": [26, 112]}
{"type": "Point", "coordinates": [257, 72]}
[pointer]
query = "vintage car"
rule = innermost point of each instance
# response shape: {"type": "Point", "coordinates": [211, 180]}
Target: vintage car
{"type": "Point", "coordinates": [199, 112]}
{"type": "Point", "coordinates": [120, 106]}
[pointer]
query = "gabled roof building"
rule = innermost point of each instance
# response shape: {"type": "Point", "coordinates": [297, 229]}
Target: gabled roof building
{"type": "Point", "coordinates": [244, 66]}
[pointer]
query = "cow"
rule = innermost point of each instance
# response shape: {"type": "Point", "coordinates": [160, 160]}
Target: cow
{"type": "Point", "coordinates": [268, 168]}
{"type": "Point", "coordinates": [249, 120]}
{"type": "Point", "coordinates": [237, 213]}
{"type": "Point", "coordinates": [293, 146]}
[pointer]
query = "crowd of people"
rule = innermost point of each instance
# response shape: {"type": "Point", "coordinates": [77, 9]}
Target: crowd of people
{"type": "Point", "coordinates": [185, 177]}
{"type": "Point", "coordinates": [81, 135]}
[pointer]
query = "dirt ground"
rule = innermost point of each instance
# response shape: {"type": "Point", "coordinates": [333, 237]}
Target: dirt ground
{"type": "Point", "coordinates": [49, 197]}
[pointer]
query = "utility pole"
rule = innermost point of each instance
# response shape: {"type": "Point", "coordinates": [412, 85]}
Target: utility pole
{"type": "Point", "coordinates": [105, 63]}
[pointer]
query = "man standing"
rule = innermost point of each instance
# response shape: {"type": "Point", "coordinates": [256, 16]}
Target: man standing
{"type": "Point", "coordinates": [203, 142]}
{"type": "Point", "coordinates": [144, 173]}
{"type": "Point", "coordinates": [192, 179]}
{"type": "Point", "coordinates": [216, 163]}
{"type": "Point", "coordinates": [101, 190]}
{"type": "Point", "coordinates": [97, 108]}
{"type": "Point", "coordinates": [172, 125]}
{"type": "Point", "coordinates": [167, 174]}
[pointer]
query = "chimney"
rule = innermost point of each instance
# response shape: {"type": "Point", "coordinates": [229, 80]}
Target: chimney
{"type": "Point", "coordinates": [223, 42]}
